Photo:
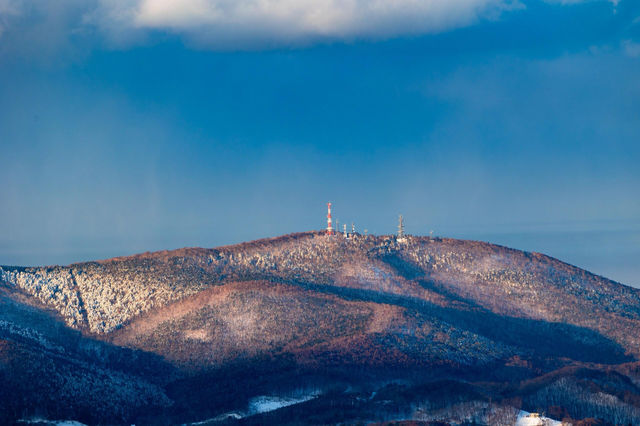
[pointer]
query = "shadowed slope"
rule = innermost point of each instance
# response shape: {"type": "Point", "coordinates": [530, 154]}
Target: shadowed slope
{"type": "Point", "coordinates": [48, 369]}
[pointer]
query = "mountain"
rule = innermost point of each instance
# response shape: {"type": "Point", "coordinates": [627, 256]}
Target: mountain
{"type": "Point", "coordinates": [325, 329]}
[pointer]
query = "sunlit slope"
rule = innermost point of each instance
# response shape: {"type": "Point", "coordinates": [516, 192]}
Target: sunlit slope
{"type": "Point", "coordinates": [245, 320]}
{"type": "Point", "coordinates": [462, 283]}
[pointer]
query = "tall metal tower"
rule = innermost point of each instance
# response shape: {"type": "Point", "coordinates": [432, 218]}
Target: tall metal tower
{"type": "Point", "coordinates": [329, 227]}
{"type": "Point", "coordinates": [400, 227]}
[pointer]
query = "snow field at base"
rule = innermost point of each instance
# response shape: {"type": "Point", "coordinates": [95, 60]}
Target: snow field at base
{"type": "Point", "coordinates": [526, 419]}
{"type": "Point", "coordinates": [264, 404]}
{"type": "Point", "coordinates": [260, 404]}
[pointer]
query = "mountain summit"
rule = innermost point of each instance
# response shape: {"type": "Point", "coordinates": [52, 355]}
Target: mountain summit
{"type": "Point", "coordinates": [325, 329]}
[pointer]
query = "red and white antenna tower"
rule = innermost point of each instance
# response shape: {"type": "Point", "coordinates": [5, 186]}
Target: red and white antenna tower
{"type": "Point", "coordinates": [329, 227]}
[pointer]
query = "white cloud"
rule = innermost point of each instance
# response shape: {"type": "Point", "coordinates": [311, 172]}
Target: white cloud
{"type": "Point", "coordinates": [240, 24]}
{"type": "Point", "coordinates": [231, 24]}
{"type": "Point", "coordinates": [274, 22]}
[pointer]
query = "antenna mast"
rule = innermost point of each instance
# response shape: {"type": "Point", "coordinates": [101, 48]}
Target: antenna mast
{"type": "Point", "coordinates": [400, 228]}
{"type": "Point", "coordinates": [329, 227]}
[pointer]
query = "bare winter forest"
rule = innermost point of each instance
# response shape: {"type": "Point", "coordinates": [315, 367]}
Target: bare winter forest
{"type": "Point", "coordinates": [361, 329]}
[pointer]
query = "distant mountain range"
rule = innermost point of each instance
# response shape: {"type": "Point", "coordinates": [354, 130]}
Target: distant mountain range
{"type": "Point", "coordinates": [309, 328]}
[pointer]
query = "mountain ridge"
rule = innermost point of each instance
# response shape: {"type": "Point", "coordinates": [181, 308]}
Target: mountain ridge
{"type": "Point", "coordinates": [324, 306]}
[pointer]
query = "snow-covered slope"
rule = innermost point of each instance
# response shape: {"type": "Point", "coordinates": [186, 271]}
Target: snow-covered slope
{"type": "Point", "coordinates": [221, 326]}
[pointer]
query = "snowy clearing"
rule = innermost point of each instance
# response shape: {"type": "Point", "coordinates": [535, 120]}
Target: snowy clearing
{"type": "Point", "coordinates": [260, 404]}
{"type": "Point", "coordinates": [45, 422]}
{"type": "Point", "coordinates": [264, 404]}
{"type": "Point", "coordinates": [533, 419]}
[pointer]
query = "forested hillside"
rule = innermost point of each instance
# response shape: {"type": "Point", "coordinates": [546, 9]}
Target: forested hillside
{"type": "Point", "coordinates": [195, 333]}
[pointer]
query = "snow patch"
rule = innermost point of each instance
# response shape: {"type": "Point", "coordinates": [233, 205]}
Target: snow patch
{"type": "Point", "coordinates": [45, 422]}
{"type": "Point", "coordinates": [264, 404]}
{"type": "Point", "coordinates": [534, 419]}
{"type": "Point", "coordinates": [200, 334]}
{"type": "Point", "coordinates": [260, 404]}
{"type": "Point", "coordinates": [220, 418]}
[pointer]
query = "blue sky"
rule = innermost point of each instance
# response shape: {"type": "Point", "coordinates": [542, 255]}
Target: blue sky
{"type": "Point", "coordinates": [128, 126]}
